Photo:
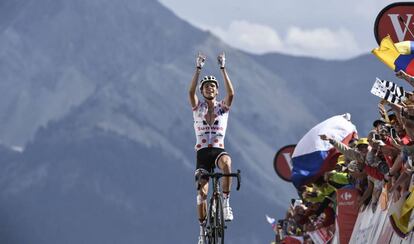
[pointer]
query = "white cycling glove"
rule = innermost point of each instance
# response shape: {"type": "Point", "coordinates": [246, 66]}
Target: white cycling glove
{"type": "Point", "coordinates": [200, 60]}
{"type": "Point", "coordinates": [221, 60]}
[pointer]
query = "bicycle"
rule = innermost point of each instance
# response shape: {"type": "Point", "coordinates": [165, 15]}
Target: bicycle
{"type": "Point", "coordinates": [215, 226]}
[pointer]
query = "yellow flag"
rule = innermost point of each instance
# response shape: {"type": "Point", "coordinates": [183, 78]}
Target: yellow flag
{"type": "Point", "coordinates": [387, 52]}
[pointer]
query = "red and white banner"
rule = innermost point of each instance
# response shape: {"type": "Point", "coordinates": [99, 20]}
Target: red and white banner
{"type": "Point", "coordinates": [293, 240]}
{"type": "Point", "coordinates": [347, 212]}
{"type": "Point", "coordinates": [375, 226]}
{"type": "Point", "coordinates": [321, 236]}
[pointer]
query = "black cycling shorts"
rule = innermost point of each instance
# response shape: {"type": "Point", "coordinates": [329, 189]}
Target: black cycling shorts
{"type": "Point", "coordinates": [207, 158]}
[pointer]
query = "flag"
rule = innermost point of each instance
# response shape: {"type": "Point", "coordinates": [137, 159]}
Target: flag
{"type": "Point", "coordinates": [321, 236]}
{"type": "Point", "coordinates": [271, 220]}
{"type": "Point", "coordinates": [397, 56]}
{"type": "Point", "coordinates": [313, 156]}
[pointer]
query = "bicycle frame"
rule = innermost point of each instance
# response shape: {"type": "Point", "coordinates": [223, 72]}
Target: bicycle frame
{"type": "Point", "coordinates": [216, 225]}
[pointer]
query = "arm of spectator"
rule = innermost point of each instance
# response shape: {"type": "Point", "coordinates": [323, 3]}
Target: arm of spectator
{"type": "Point", "coordinates": [409, 126]}
{"type": "Point", "coordinates": [359, 174]}
{"type": "Point", "coordinates": [402, 75]}
{"type": "Point", "coordinates": [344, 149]}
{"type": "Point", "coordinates": [403, 111]}
{"type": "Point", "coordinates": [397, 165]}
{"type": "Point", "coordinates": [382, 111]}
{"type": "Point", "coordinates": [395, 143]}
{"type": "Point", "coordinates": [404, 177]}
{"type": "Point", "coordinates": [366, 194]}
{"type": "Point", "coordinates": [397, 110]}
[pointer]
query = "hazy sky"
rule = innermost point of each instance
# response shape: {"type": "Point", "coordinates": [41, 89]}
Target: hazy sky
{"type": "Point", "coordinates": [331, 29]}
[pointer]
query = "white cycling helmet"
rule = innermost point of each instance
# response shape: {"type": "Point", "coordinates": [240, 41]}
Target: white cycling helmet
{"type": "Point", "coordinates": [208, 78]}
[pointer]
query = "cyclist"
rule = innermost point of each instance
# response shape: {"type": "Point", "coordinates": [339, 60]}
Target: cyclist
{"type": "Point", "coordinates": [210, 123]}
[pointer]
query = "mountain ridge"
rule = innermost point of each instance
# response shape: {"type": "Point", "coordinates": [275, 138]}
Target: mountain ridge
{"type": "Point", "coordinates": [97, 91]}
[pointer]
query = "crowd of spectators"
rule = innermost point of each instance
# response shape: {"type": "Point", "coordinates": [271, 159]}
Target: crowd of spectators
{"type": "Point", "coordinates": [380, 162]}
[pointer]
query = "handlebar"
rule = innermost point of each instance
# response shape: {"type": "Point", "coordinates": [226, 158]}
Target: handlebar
{"type": "Point", "coordinates": [218, 175]}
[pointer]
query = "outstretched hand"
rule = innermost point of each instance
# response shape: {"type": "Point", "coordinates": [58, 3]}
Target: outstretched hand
{"type": "Point", "coordinates": [200, 60]}
{"type": "Point", "coordinates": [324, 137]}
{"type": "Point", "coordinates": [402, 75]}
{"type": "Point", "coordinates": [221, 60]}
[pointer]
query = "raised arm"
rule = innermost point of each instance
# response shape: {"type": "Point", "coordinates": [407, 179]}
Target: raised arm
{"type": "Point", "coordinates": [405, 115]}
{"type": "Point", "coordinates": [344, 149]}
{"type": "Point", "coordinates": [402, 75]}
{"type": "Point", "coordinates": [366, 194]}
{"type": "Point", "coordinates": [227, 82]}
{"type": "Point", "coordinates": [382, 111]}
{"type": "Point", "coordinates": [397, 110]}
{"type": "Point", "coordinates": [193, 85]}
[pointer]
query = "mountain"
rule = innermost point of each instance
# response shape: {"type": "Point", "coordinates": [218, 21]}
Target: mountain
{"type": "Point", "coordinates": [96, 93]}
{"type": "Point", "coordinates": [330, 87]}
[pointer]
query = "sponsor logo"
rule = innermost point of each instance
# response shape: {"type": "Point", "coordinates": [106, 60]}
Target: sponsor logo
{"type": "Point", "coordinates": [346, 196]}
{"type": "Point", "coordinates": [209, 128]}
{"type": "Point", "coordinates": [346, 203]}
{"type": "Point", "coordinates": [282, 162]}
{"type": "Point", "coordinates": [396, 20]}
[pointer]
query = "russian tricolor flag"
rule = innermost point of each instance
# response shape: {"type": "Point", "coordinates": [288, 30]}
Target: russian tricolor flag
{"type": "Point", "coordinates": [397, 56]}
{"type": "Point", "coordinates": [313, 156]}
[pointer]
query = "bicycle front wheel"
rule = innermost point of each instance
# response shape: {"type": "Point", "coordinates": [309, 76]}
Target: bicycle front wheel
{"type": "Point", "coordinates": [211, 222]}
{"type": "Point", "coordinates": [219, 222]}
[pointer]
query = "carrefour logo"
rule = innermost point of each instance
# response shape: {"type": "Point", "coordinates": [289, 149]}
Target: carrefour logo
{"type": "Point", "coordinates": [346, 196]}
